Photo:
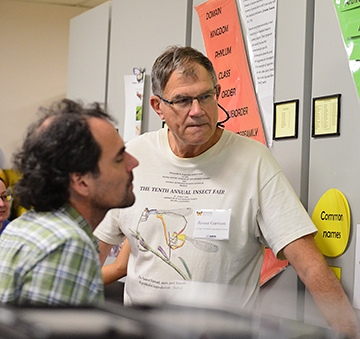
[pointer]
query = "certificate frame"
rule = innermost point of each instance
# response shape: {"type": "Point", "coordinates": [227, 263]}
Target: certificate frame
{"type": "Point", "coordinates": [326, 116]}
{"type": "Point", "coordinates": [286, 118]}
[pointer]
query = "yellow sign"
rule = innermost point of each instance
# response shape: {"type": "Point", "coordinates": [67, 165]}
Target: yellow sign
{"type": "Point", "coordinates": [337, 271]}
{"type": "Point", "coordinates": [332, 219]}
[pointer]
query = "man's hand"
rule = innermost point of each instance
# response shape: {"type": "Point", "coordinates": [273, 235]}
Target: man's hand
{"type": "Point", "coordinates": [323, 285]}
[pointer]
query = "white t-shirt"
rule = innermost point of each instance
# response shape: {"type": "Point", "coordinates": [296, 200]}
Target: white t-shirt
{"type": "Point", "coordinates": [178, 225]}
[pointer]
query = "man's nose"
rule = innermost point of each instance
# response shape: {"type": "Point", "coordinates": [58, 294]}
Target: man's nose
{"type": "Point", "coordinates": [195, 108]}
{"type": "Point", "coordinates": [132, 162]}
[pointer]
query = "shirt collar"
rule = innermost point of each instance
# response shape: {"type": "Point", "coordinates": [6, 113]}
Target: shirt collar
{"type": "Point", "coordinates": [73, 214]}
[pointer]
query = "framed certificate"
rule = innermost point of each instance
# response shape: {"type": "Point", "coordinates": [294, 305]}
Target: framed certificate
{"type": "Point", "coordinates": [326, 116]}
{"type": "Point", "coordinates": [286, 116]}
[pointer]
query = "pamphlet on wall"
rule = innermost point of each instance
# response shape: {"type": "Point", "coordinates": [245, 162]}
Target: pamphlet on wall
{"type": "Point", "coordinates": [134, 92]}
{"type": "Point", "coordinates": [258, 22]}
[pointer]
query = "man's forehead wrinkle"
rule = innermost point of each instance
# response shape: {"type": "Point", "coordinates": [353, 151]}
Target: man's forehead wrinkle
{"type": "Point", "coordinates": [188, 72]}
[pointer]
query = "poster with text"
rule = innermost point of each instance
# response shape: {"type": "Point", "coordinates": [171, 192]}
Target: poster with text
{"type": "Point", "coordinates": [220, 26]}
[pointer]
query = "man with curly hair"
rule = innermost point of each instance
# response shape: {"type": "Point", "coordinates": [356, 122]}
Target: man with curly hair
{"type": "Point", "coordinates": [74, 169]}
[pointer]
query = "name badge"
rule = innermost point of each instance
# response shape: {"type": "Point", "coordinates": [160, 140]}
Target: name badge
{"type": "Point", "coordinates": [212, 224]}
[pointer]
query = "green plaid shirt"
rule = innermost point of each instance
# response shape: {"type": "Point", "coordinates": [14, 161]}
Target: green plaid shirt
{"type": "Point", "coordinates": [50, 258]}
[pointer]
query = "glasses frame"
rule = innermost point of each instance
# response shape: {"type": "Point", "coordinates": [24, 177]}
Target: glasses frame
{"type": "Point", "coordinates": [172, 103]}
{"type": "Point", "coordinates": [6, 198]}
{"type": "Point", "coordinates": [219, 123]}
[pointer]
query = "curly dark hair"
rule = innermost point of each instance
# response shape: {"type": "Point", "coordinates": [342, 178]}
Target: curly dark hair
{"type": "Point", "coordinates": [58, 144]}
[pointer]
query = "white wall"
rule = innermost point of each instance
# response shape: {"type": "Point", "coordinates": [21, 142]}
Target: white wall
{"type": "Point", "coordinates": [34, 43]}
{"type": "Point", "coordinates": [88, 55]}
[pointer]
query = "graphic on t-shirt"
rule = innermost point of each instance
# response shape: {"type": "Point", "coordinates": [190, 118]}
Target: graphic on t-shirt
{"type": "Point", "coordinates": [173, 225]}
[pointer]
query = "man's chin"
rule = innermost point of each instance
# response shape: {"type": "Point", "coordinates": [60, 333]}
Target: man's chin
{"type": "Point", "coordinates": [129, 202]}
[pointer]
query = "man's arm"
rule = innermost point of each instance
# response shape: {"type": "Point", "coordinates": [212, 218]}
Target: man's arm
{"type": "Point", "coordinates": [118, 268]}
{"type": "Point", "coordinates": [104, 249]}
{"type": "Point", "coordinates": [323, 285]}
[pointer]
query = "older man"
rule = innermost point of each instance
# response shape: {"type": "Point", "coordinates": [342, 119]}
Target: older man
{"type": "Point", "coordinates": [208, 201]}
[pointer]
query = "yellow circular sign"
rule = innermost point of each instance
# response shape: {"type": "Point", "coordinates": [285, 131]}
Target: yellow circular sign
{"type": "Point", "coordinates": [332, 219]}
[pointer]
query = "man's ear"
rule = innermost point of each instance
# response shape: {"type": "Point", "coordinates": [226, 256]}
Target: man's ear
{"type": "Point", "coordinates": [218, 90]}
{"type": "Point", "coordinates": [155, 104]}
{"type": "Point", "coordinates": [79, 183]}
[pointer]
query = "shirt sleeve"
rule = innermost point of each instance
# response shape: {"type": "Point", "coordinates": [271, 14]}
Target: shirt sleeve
{"type": "Point", "coordinates": [108, 230]}
{"type": "Point", "coordinates": [282, 218]}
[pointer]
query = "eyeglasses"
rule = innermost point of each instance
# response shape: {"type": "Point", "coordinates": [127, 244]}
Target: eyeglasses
{"type": "Point", "coordinates": [6, 197]}
{"type": "Point", "coordinates": [184, 103]}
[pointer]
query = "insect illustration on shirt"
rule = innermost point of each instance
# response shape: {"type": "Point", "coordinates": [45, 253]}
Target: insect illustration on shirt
{"type": "Point", "coordinates": [180, 213]}
{"type": "Point", "coordinates": [178, 239]}
{"type": "Point", "coordinates": [173, 239]}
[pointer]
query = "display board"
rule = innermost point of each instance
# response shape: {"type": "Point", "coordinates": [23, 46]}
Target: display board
{"type": "Point", "coordinates": [335, 160]}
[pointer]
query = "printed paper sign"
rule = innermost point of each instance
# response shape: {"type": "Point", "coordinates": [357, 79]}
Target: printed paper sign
{"type": "Point", "coordinates": [134, 91]}
{"type": "Point", "coordinates": [224, 45]}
